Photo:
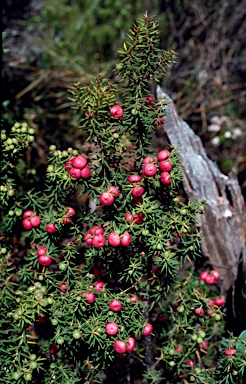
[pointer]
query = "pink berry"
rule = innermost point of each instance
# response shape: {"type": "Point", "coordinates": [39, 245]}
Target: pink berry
{"type": "Point", "coordinates": [106, 198]}
{"type": "Point", "coordinates": [190, 363]}
{"type": "Point", "coordinates": [75, 173]}
{"type": "Point", "coordinates": [66, 220]}
{"type": "Point", "coordinates": [115, 305]}
{"type": "Point", "coordinates": [210, 280]}
{"type": "Point", "coordinates": [215, 274]}
{"type": "Point", "coordinates": [165, 166]}
{"type": "Point", "coordinates": [148, 328]}
{"type": "Point", "coordinates": [45, 260]}
{"type": "Point", "coordinates": [63, 287]}
{"type": "Point", "coordinates": [96, 230]}
{"type": "Point", "coordinates": [129, 218]}
{"type": "Point", "coordinates": [51, 228]}
{"type": "Point", "coordinates": [178, 348]}
{"type": "Point", "coordinates": [204, 344]}
{"type": "Point", "coordinates": [28, 214]}
{"type": "Point", "coordinates": [130, 344]}
{"type": "Point", "coordinates": [88, 237]}
{"type": "Point", "coordinates": [114, 239]}
{"type": "Point", "coordinates": [70, 211]}
{"type": "Point", "coordinates": [230, 351]}
{"type": "Point", "coordinates": [85, 172]}
{"type": "Point", "coordinates": [220, 301]}
{"type": "Point", "coordinates": [149, 160]}
{"type": "Point", "coordinates": [165, 178]}
{"type": "Point", "coordinates": [116, 111]}
{"type": "Point", "coordinates": [79, 162]}
{"type": "Point", "coordinates": [134, 298]}
{"type": "Point", "coordinates": [163, 155]}
{"type": "Point", "coordinates": [119, 346]}
{"type": "Point", "coordinates": [159, 120]}
{"type": "Point", "coordinates": [68, 165]}
{"type": "Point", "coordinates": [114, 191]}
{"type": "Point", "coordinates": [125, 239]}
{"type": "Point", "coordinates": [199, 311]}
{"type": "Point", "coordinates": [111, 328]}
{"type": "Point", "coordinates": [98, 241]}
{"type": "Point", "coordinates": [35, 221]}
{"type": "Point", "coordinates": [41, 250]}
{"type": "Point", "coordinates": [203, 275]}
{"type": "Point", "coordinates": [99, 285]}
{"type": "Point", "coordinates": [134, 178]}
{"type": "Point", "coordinates": [137, 191]}
{"type": "Point", "coordinates": [149, 170]}
{"type": "Point", "coordinates": [138, 218]}
{"type": "Point", "coordinates": [27, 224]}
{"type": "Point", "coordinates": [89, 297]}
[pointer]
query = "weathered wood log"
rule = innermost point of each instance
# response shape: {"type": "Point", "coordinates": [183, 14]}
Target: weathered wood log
{"type": "Point", "coordinates": [224, 221]}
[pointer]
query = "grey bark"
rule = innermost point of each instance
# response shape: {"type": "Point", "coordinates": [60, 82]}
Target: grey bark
{"type": "Point", "coordinates": [224, 221]}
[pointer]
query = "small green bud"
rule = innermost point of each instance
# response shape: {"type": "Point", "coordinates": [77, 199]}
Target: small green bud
{"type": "Point", "coordinates": [52, 148]}
{"type": "Point", "coordinates": [33, 357]}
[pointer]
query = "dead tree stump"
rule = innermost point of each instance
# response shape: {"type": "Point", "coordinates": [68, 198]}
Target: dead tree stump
{"type": "Point", "coordinates": [223, 223]}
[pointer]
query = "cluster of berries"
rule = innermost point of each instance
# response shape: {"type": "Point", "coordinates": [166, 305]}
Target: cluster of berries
{"type": "Point", "coordinates": [95, 237]}
{"type": "Point", "coordinates": [30, 220]}
{"type": "Point", "coordinates": [77, 167]}
{"type": "Point", "coordinates": [210, 278]}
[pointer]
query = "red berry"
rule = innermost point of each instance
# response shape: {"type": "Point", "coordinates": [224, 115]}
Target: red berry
{"type": "Point", "coordinates": [130, 344]}
{"type": "Point", "coordinates": [53, 349]}
{"type": "Point", "coordinates": [129, 218]}
{"type": "Point", "coordinates": [125, 239]}
{"type": "Point", "coordinates": [178, 348]}
{"type": "Point", "coordinates": [41, 250]}
{"type": "Point", "coordinates": [114, 239]}
{"type": "Point", "coordinates": [28, 214]}
{"type": "Point", "coordinates": [98, 241]}
{"type": "Point", "coordinates": [111, 328]}
{"type": "Point", "coordinates": [215, 274]}
{"type": "Point", "coordinates": [85, 172]}
{"type": "Point", "coordinates": [27, 224]}
{"type": "Point", "coordinates": [51, 228]}
{"type": "Point", "coordinates": [190, 363]}
{"type": "Point", "coordinates": [35, 221]}
{"type": "Point", "coordinates": [88, 238]}
{"type": "Point", "coordinates": [149, 101]}
{"type": "Point", "coordinates": [106, 198]}
{"type": "Point", "coordinates": [148, 328]}
{"type": "Point", "coordinates": [66, 220]}
{"type": "Point", "coordinates": [204, 344]}
{"type": "Point", "coordinates": [63, 287]}
{"type": "Point", "coordinates": [134, 298]}
{"type": "Point", "coordinates": [115, 192]}
{"type": "Point", "coordinates": [210, 280]}
{"type": "Point", "coordinates": [45, 260]}
{"type": "Point", "coordinates": [89, 297]}
{"type": "Point", "coordinates": [165, 166]}
{"type": "Point", "coordinates": [230, 351]}
{"type": "Point", "coordinates": [75, 173]}
{"type": "Point", "coordinates": [199, 311]}
{"type": "Point", "coordinates": [163, 155]}
{"type": "Point", "coordinates": [68, 165]}
{"type": "Point", "coordinates": [116, 111]}
{"type": "Point", "coordinates": [165, 178]}
{"type": "Point", "coordinates": [159, 120]}
{"type": "Point", "coordinates": [149, 160]}
{"type": "Point", "coordinates": [70, 211]}
{"type": "Point", "coordinates": [161, 319]}
{"type": "Point", "coordinates": [137, 191]}
{"type": "Point", "coordinates": [99, 285]}
{"type": "Point", "coordinates": [211, 302]}
{"type": "Point", "coordinates": [115, 305]}
{"type": "Point", "coordinates": [134, 178]}
{"type": "Point", "coordinates": [96, 230]}
{"type": "Point", "coordinates": [119, 346]}
{"type": "Point", "coordinates": [79, 162]}
{"type": "Point", "coordinates": [149, 170]}
{"type": "Point", "coordinates": [203, 275]}
{"type": "Point", "coordinates": [41, 319]}
{"type": "Point", "coordinates": [220, 301]}
{"type": "Point", "coordinates": [138, 218]}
